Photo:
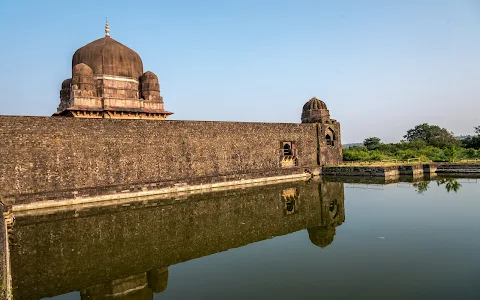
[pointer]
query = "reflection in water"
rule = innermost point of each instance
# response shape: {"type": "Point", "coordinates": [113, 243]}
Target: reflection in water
{"type": "Point", "coordinates": [451, 184]}
{"type": "Point", "coordinates": [124, 251]}
{"type": "Point", "coordinates": [333, 214]}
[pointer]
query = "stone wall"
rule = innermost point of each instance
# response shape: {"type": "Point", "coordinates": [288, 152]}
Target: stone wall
{"type": "Point", "coordinates": [411, 169]}
{"type": "Point", "coordinates": [45, 155]}
{"type": "Point", "coordinates": [361, 171]}
{"type": "Point", "coordinates": [3, 257]}
{"type": "Point", "coordinates": [458, 168]}
{"type": "Point", "coordinates": [330, 154]}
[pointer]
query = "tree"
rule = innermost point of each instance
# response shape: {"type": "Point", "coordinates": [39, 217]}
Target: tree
{"type": "Point", "coordinates": [371, 142]}
{"type": "Point", "coordinates": [451, 153]}
{"type": "Point", "coordinates": [433, 135]}
{"type": "Point", "coordinates": [473, 141]}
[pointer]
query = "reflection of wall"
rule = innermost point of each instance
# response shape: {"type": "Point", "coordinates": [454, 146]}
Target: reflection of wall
{"type": "Point", "coordinates": [71, 251]}
{"type": "Point", "coordinates": [332, 199]}
{"type": "Point", "coordinates": [139, 287]}
{"type": "Point", "coordinates": [102, 250]}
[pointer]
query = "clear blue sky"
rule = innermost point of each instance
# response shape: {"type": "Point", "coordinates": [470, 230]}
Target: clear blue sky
{"type": "Point", "coordinates": [382, 66]}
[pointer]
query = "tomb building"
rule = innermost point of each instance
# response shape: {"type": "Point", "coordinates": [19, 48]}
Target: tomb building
{"type": "Point", "coordinates": [108, 82]}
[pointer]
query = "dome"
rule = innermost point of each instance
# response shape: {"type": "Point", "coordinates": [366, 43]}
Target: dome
{"type": "Point", "coordinates": [314, 103]}
{"type": "Point", "coordinates": [149, 76]}
{"type": "Point", "coordinates": [106, 56]}
{"type": "Point", "coordinates": [149, 86]}
{"type": "Point", "coordinates": [82, 69]}
{"type": "Point", "coordinates": [315, 111]}
{"type": "Point", "coordinates": [66, 83]}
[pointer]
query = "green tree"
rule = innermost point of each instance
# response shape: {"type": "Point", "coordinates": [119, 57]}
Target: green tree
{"type": "Point", "coordinates": [433, 135]}
{"type": "Point", "coordinates": [451, 153]}
{"type": "Point", "coordinates": [473, 141]}
{"type": "Point", "coordinates": [371, 143]}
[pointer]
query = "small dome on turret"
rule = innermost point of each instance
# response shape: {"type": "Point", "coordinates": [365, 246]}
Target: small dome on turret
{"type": "Point", "coordinates": [314, 103]}
{"type": "Point", "coordinates": [315, 111]}
{"type": "Point", "coordinates": [149, 76]}
{"type": "Point", "coordinates": [82, 69]}
{"type": "Point", "coordinates": [66, 83]}
{"type": "Point", "coordinates": [149, 87]}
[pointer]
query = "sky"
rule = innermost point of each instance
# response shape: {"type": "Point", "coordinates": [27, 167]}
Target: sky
{"type": "Point", "coordinates": [381, 67]}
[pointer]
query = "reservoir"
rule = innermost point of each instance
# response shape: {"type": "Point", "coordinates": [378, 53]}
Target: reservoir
{"type": "Point", "coordinates": [315, 239]}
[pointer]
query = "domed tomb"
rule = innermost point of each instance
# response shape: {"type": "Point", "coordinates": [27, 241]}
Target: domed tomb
{"type": "Point", "coordinates": [108, 82]}
{"type": "Point", "coordinates": [315, 111]}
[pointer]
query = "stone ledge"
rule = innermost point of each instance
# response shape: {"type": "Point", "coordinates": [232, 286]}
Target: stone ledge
{"type": "Point", "coordinates": [171, 191]}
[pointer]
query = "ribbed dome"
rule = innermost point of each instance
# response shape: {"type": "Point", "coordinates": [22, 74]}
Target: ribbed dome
{"type": "Point", "coordinates": [106, 56]}
{"type": "Point", "coordinates": [315, 111]}
{"type": "Point", "coordinates": [314, 103]}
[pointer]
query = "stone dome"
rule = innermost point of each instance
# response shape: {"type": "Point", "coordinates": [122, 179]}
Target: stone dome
{"type": "Point", "coordinates": [314, 103]}
{"type": "Point", "coordinates": [149, 86]}
{"type": "Point", "coordinates": [106, 56]}
{"type": "Point", "coordinates": [315, 111]}
{"type": "Point", "coordinates": [82, 69]}
{"type": "Point", "coordinates": [66, 83]}
{"type": "Point", "coordinates": [149, 76]}
{"type": "Point", "coordinates": [82, 77]}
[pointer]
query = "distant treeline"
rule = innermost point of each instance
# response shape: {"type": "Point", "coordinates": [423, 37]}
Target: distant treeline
{"type": "Point", "coordinates": [427, 142]}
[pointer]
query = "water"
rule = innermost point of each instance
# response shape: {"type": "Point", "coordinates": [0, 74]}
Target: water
{"type": "Point", "coordinates": [302, 240]}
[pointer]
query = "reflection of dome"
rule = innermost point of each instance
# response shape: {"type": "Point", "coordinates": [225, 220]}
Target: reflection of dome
{"type": "Point", "coordinates": [106, 56]}
{"type": "Point", "coordinates": [315, 110]}
{"type": "Point", "coordinates": [321, 236]}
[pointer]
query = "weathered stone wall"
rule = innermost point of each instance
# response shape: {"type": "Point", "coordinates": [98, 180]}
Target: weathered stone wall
{"type": "Point", "coordinates": [73, 250]}
{"type": "Point", "coordinates": [411, 170]}
{"type": "Point", "coordinates": [458, 168]}
{"type": "Point", "coordinates": [41, 154]}
{"type": "Point", "coordinates": [3, 257]}
{"type": "Point", "coordinates": [330, 155]}
{"type": "Point", "coordinates": [361, 171]}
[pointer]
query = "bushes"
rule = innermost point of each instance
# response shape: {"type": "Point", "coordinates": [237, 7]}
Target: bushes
{"type": "Point", "coordinates": [427, 142]}
{"type": "Point", "coordinates": [406, 150]}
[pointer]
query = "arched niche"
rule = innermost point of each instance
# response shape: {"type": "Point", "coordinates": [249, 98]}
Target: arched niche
{"type": "Point", "coordinates": [330, 137]}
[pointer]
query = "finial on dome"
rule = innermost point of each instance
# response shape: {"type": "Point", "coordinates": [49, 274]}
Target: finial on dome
{"type": "Point", "coordinates": [107, 29]}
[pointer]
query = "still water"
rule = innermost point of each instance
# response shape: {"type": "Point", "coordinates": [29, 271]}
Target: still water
{"type": "Point", "coordinates": [301, 240]}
